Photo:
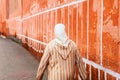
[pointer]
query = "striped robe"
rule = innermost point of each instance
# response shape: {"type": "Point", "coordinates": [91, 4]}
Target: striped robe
{"type": "Point", "coordinates": [61, 62]}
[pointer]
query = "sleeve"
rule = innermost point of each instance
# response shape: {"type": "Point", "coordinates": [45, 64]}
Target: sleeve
{"type": "Point", "coordinates": [43, 63]}
{"type": "Point", "coordinates": [80, 65]}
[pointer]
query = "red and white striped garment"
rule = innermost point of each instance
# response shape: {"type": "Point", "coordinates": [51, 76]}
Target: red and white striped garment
{"type": "Point", "coordinates": [61, 62]}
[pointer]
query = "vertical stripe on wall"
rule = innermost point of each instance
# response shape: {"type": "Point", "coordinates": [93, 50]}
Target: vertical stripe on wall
{"type": "Point", "coordinates": [87, 27]}
{"type": "Point", "coordinates": [77, 25]}
{"type": "Point", "coordinates": [101, 24]}
{"type": "Point", "coordinates": [119, 31]}
{"type": "Point", "coordinates": [7, 9]}
{"type": "Point", "coordinates": [93, 27]}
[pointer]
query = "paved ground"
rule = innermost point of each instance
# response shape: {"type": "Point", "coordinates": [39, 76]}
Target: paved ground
{"type": "Point", "coordinates": [16, 63]}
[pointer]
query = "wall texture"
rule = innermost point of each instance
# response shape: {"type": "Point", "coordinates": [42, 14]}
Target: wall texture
{"type": "Point", "coordinates": [3, 17]}
{"type": "Point", "coordinates": [93, 24]}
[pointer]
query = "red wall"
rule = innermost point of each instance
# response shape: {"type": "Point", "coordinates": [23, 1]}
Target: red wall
{"type": "Point", "coordinates": [92, 24]}
{"type": "Point", "coordinates": [110, 35]}
{"type": "Point", "coordinates": [3, 17]}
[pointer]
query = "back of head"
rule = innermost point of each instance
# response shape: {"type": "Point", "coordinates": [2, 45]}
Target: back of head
{"type": "Point", "coordinates": [60, 33]}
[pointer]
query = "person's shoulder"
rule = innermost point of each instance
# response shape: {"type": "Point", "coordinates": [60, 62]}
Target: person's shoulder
{"type": "Point", "coordinates": [73, 43]}
{"type": "Point", "coordinates": [51, 43]}
{"type": "Point", "coordinates": [49, 46]}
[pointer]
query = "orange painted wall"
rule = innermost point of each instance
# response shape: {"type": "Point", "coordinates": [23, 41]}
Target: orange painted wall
{"type": "Point", "coordinates": [14, 8]}
{"type": "Point", "coordinates": [93, 24]}
{"type": "Point", "coordinates": [3, 28]}
{"type": "Point", "coordinates": [110, 33]}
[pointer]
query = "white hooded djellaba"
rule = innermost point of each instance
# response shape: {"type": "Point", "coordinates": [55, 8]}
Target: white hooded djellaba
{"type": "Point", "coordinates": [61, 57]}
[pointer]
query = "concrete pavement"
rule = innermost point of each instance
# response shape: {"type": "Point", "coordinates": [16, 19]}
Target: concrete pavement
{"type": "Point", "coordinates": [16, 63]}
